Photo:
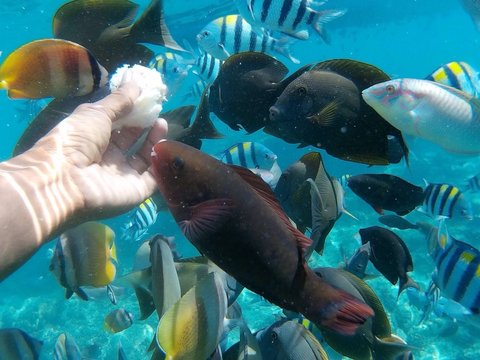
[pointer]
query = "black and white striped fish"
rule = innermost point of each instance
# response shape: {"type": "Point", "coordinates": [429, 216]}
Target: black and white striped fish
{"type": "Point", "coordinates": [207, 67]}
{"type": "Point", "coordinates": [457, 272]}
{"type": "Point", "coordinates": [231, 34]}
{"type": "Point", "coordinates": [173, 68]}
{"type": "Point", "coordinates": [141, 219]}
{"type": "Point", "coordinates": [292, 17]}
{"type": "Point", "coordinates": [446, 201]}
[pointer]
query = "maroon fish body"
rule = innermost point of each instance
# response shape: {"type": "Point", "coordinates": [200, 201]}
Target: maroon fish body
{"type": "Point", "coordinates": [232, 217]}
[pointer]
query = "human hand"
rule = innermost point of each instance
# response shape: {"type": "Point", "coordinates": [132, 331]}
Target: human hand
{"type": "Point", "coordinates": [105, 180]}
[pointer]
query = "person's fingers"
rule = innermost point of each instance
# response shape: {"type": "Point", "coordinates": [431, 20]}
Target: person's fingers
{"type": "Point", "coordinates": [112, 106]}
{"type": "Point", "coordinates": [157, 133]}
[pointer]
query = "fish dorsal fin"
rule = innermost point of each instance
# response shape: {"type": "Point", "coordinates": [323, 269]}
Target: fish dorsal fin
{"type": "Point", "coordinates": [264, 191]}
{"type": "Point", "coordinates": [202, 124]}
{"type": "Point", "coordinates": [151, 27]}
{"type": "Point", "coordinates": [180, 116]}
{"type": "Point", "coordinates": [362, 74]}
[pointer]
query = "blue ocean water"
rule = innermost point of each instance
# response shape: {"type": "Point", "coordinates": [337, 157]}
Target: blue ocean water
{"type": "Point", "coordinates": [404, 38]}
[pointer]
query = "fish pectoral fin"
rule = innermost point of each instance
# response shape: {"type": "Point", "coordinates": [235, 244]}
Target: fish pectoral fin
{"type": "Point", "coordinates": [250, 9]}
{"type": "Point", "coordinates": [81, 294]}
{"type": "Point", "coordinates": [206, 218]}
{"type": "Point", "coordinates": [326, 116]}
{"type": "Point", "coordinates": [222, 47]}
{"type": "Point", "coordinates": [300, 35]}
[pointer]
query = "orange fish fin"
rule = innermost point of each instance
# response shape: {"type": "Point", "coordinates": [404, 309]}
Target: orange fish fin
{"type": "Point", "coordinates": [264, 191]}
{"type": "Point", "coordinates": [347, 315]}
{"type": "Point", "coordinates": [206, 217]}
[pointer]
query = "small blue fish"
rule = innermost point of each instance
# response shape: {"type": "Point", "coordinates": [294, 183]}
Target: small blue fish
{"type": "Point", "coordinates": [457, 270]}
{"type": "Point", "coordinates": [231, 34]}
{"type": "Point", "coordinates": [444, 200]}
{"type": "Point", "coordinates": [141, 219]}
{"type": "Point", "coordinates": [459, 75]}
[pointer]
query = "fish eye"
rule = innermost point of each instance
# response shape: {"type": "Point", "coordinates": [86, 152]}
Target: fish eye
{"type": "Point", "coordinates": [274, 336]}
{"type": "Point", "coordinates": [301, 91]}
{"type": "Point", "coordinates": [178, 163]}
{"type": "Point", "coordinates": [206, 33]}
{"type": "Point", "coordinates": [390, 89]}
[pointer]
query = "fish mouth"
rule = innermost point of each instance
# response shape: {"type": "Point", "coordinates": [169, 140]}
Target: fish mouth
{"type": "Point", "coordinates": [199, 37]}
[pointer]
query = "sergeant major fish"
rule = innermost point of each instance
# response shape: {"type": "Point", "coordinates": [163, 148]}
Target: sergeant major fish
{"type": "Point", "coordinates": [473, 184]}
{"type": "Point", "coordinates": [207, 67]}
{"type": "Point", "coordinates": [173, 68]}
{"type": "Point", "coordinates": [458, 74]}
{"type": "Point", "coordinates": [444, 200]}
{"type": "Point", "coordinates": [291, 17]}
{"type": "Point", "coordinates": [435, 112]}
{"type": "Point", "coordinates": [66, 348]}
{"type": "Point", "coordinates": [222, 210]}
{"type": "Point", "coordinates": [231, 34]}
{"type": "Point", "coordinates": [457, 269]}
{"type": "Point", "coordinates": [140, 220]}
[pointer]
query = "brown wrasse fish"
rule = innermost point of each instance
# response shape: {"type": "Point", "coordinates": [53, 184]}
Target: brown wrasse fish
{"type": "Point", "coordinates": [233, 218]}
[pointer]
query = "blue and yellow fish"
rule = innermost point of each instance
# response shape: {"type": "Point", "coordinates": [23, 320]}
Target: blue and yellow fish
{"type": "Point", "coordinates": [458, 74]}
{"type": "Point", "coordinates": [141, 219]}
{"type": "Point", "coordinates": [457, 272]}
{"type": "Point", "coordinates": [446, 201]}
{"type": "Point", "coordinates": [207, 67]}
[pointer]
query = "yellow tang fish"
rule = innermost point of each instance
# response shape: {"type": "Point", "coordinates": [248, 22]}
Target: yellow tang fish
{"type": "Point", "coordinates": [51, 68]}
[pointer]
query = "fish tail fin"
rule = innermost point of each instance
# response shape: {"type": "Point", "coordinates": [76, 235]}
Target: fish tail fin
{"type": "Point", "coordinates": [389, 348]}
{"type": "Point", "coordinates": [203, 126]}
{"type": "Point", "coordinates": [410, 283]}
{"type": "Point", "coordinates": [151, 28]}
{"type": "Point", "coordinates": [345, 314]}
{"type": "Point", "coordinates": [334, 309]}
{"type": "Point", "coordinates": [282, 46]}
{"type": "Point", "coordinates": [320, 18]}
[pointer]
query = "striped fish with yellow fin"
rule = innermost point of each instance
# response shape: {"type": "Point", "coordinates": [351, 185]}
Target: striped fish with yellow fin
{"type": "Point", "coordinates": [458, 74]}
{"type": "Point", "coordinates": [83, 257]}
{"type": "Point", "coordinates": [51, 68]}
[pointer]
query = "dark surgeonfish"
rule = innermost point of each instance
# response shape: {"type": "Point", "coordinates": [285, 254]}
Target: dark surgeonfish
{"type": "Point", "coordinates": [387, 192]}
{"type": "Point", "coordinates": [83, 257]}
{"type": "Point", "coordinates": [310, 197]}
{"type": "Point", "coordinates": [66, 348]}
{"type": "Point", "coordinates": [245, 88]}
{"type": "Point", "coordinates": [28, 71]}
{"type": "Point", "coordinates": [17, 344]}
{"type": "Point", "coordinates": [233, 218]}
{"type": "Point", "coordinates": [374, 339]}
{"type": "Point", "coordinates": [389, 255]}
{"type": "Point", "coordinates": [107, 28]}
{"type": "Point", "coordinates": [323, 107]}
{"type": "Point", "coordinates": [357, 263]}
